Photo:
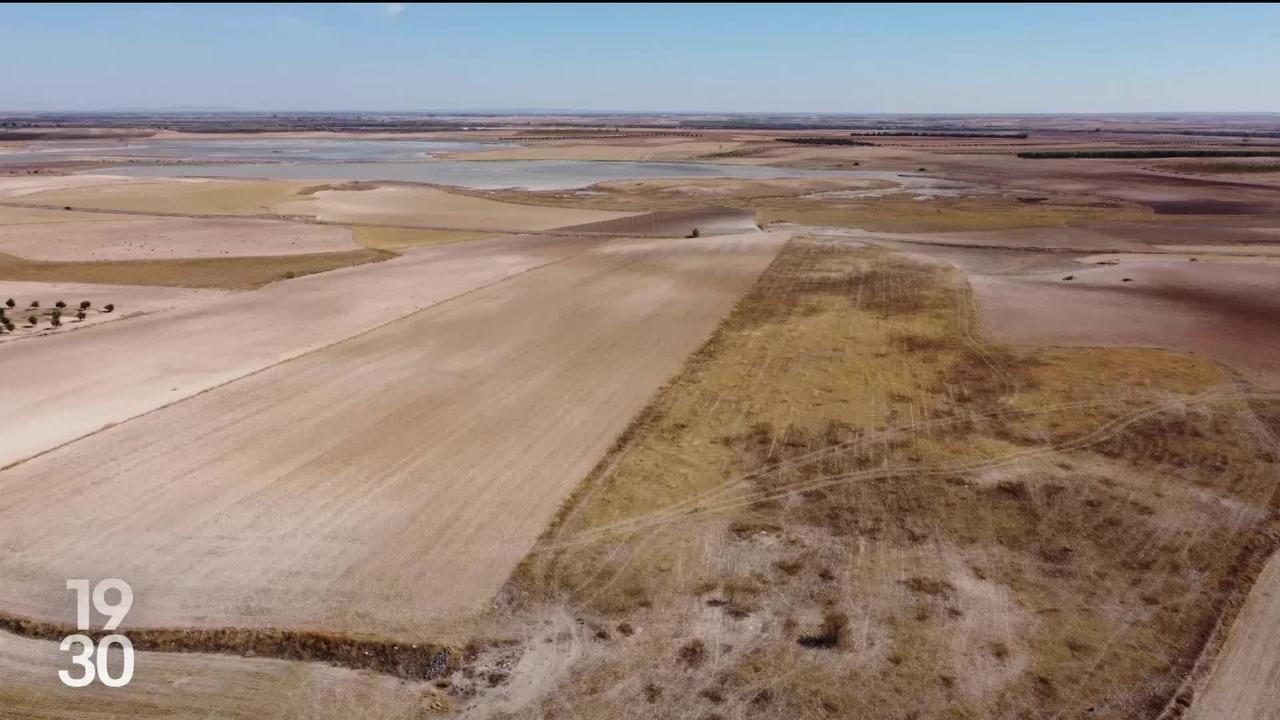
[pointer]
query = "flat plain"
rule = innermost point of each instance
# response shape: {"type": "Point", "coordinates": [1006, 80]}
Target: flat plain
{"type": "Point", "coordinates": [954, 433]}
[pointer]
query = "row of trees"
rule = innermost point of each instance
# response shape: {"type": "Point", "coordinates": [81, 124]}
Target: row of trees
{"type": "Point", "coordinates": [55, 317]}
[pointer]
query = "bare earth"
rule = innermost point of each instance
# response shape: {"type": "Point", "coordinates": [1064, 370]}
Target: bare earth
{"type": "Point", "coordinates": [1227, 310]}
{"type": "Point", "coordinates": [263, 503]}
{"type": "Point", "coordinates": [172, 685]}
{"type": "Point", "coordinates": [130, 301]}
{"type": "Point", "coordinates": [429, 207]}
{"type": "Point", "coordinates": [199, 346]}
{"type": "Point", "coordinates": [12, 187]}
{"type": "Point", "coordinates": [163, 238]}
{"type": "Point", "coordinates": [1247, 679]}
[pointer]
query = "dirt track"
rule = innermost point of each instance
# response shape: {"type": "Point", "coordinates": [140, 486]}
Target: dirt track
{"type": "Point", "coordinates": [385, 483]}
{"type": "Point", "coordinates": [1245, 685]}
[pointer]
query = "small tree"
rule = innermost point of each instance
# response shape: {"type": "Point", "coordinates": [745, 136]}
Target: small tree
{"type": "Point", "coordinates": [108, 307]}
{"type": "Point", "coordinates": [695, 233]}
{"type": "Point", "coordinates": [35, 304]}
{"type": "Point", "coordinates": [10, 302]}
{"type": "Point", "coordinates": [80, 316]}
{"type": "Point", "coordinates": [56, 321]}
{"type": "Point", "coordinates": [33, 320]}
{"type": "Point", "coordinates": [60, 304]}
{"type": "Point", "coordinates": [85, 304]}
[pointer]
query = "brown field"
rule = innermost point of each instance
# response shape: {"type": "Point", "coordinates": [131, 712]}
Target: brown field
{"type": "Point", "coordinates": [172, 196]}
{"type": "Point", "coordinates": [430, 207]}
{"type": "Point", "coordinates": [203, 345]}
{"type": "Point", "coordinates": [13, 216]}
{"type": "Point", "coordinates": [342, 534]}
{"type": "Point", "coordinates": [194, 686]}
{"type": "Point", "coordinates": [167, 238]}
{"type": "Point", "coordinates": [23, 185]}
{"type": "Point", "coordinates": [1229, 311]}
{"type": "Point", "coordinates": [675, 223]}
{"type": "Point", "coordinates": [229, 273]}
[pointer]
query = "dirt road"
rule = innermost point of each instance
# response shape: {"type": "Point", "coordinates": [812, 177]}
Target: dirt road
{"type": "Point", "coordinates": [1245, 684]}
{"type": "Point", "coordinates": [380, 485]}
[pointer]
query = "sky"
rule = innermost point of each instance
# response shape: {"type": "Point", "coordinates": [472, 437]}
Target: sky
{"type": "Point", "coordinates": [672, 58]}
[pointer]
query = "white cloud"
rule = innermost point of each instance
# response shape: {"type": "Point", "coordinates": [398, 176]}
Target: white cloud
{"type": "Point", "coordinates": [392, 9]}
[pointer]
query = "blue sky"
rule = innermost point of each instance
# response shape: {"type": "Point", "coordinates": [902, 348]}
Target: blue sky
{"type": "Point", "coordinates": [680, 58]}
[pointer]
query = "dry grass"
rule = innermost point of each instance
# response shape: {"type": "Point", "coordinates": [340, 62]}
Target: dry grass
{"type": "Point", "coordinates": [230, 273]}
{"type": "Point", "coordinates": [854, 507]}
{"type": "Point", "coordinates": [395, 238]}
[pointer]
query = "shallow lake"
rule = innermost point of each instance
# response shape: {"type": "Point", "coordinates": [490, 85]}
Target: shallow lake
{"type": "Point", "coordinates": [488, 174]}
{"type": "Point", "coordinates": [296, 150]}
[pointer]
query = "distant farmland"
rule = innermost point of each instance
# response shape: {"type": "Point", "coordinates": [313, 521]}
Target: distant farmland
{"type": "Point", "coordinates": [1144, 154]}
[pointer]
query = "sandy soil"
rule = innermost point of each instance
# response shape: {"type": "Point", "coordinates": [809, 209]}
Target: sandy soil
{"type": "Point", "coordinates": [162, 238]}
{"type": "Point", "coordinates": [1229, 311]}
{"type": "Point", "coordinates": [384, 483]}
{"type": "Point", "coordinates": [1244, 683]}
{"type": "Point", "coordinates": [130, 301]}
{"type": "Point", "coordinates": [202, 686]}
{"type": "Point", "coordinates": [429, 207]}
{"type": "Point", "coordinates": [193, 348]}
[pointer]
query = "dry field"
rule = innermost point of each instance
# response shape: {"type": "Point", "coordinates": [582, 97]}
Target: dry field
{"type": "Point", "coordinates": [265, 503]}
{"type": "Point", "coordinates": [431, 207]}
{"type": "Point", "coordinates": [675, 223]}
{"type": "Point", "coordinates": [229, 273]}
{"type": "Point", "coordinates": [129, 301]}
{"type": "Point", "coordinates": [856, 204]}
{"type": "Point", "coordinates": [184, 196]}
{"type": "Point", "coordinates": [849, 505]}
{"type": "Point", "coordinates": [166, 238]}
{"type": "Point", "coordinates": [202, 345]}
{"type": "Point", "coordinates": [1227, 309]}
{"type": "Point", "coordinates": [207, 686]}
{"type": "Point", "coordinates": [915, 473]}
{"type": "Point", "coordinates": [398, 205]}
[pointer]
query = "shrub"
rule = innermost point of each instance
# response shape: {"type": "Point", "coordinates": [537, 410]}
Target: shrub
{"type": "Point", "coordinates": [81, 315]}
{"type": "Point", "coordinates": [109, 307]}
{"type": "Point", "coordinates": [56, 321]}
{"type": "Point", "coordinates": [33, 320]}
{"type": "Point", "coordinates": [10, 302]}
{"type": "Point", "coordinates": [695, 233]}
{"type": "Point", "coordinates": [34, 304]}
{"type": "Point", "coordinates": [60, 304]}
{"type": "Point", "coordinates": [85, 304]}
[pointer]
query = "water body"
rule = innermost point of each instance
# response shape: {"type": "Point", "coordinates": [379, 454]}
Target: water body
{"type": "Point", "coordinates": [486, 175]}
{"type": "Point", "coordinates": [292, 150]}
